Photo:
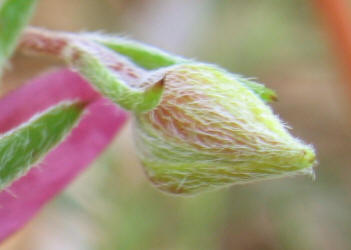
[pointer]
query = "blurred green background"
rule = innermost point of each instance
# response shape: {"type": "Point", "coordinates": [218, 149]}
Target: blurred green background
{"type": "Point", "coordinates": [282, 44]}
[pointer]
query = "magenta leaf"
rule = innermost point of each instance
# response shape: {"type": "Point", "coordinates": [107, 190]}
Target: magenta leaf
{"type": "Point", "coordinates": [102, 120]}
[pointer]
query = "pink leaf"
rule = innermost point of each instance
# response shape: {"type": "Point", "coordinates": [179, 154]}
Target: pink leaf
{"type": "Point", "coordinates": [97, 128]}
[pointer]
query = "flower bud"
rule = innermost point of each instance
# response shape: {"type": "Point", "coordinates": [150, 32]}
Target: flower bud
{"type": "Point", "coordinates": [211, 131]}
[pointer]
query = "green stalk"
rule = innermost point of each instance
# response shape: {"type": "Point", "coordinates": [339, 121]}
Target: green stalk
{"type": "Point", "coordinates": [14, 15]}
{"type": "Point", "coordinates": [113, 74]}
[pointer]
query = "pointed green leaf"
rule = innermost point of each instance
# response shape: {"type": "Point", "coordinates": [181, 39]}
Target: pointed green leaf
{"type": "Point", "coordinates": [266, 94]}
{"type": "Point", "coordinates": [27, 144]}
{"type": "Point", "coordinates": [14, 15]}
{"type": "Point", "coordinates": [143, 55]}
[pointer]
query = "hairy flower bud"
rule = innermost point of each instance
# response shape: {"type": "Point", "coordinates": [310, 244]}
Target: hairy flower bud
{"type": "Point", "coordinates": [210, 130]}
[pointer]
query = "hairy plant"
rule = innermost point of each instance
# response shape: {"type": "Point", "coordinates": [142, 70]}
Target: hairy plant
{"type": "Point", "coordinates": [197, 127]}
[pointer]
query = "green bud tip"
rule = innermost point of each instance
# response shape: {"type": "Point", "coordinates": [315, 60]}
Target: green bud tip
{"type": "Point", "coordinates": [211, 130]}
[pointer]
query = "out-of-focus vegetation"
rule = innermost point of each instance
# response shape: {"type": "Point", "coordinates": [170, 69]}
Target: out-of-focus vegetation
{"type": "Point", "coordinates": [113, 206]}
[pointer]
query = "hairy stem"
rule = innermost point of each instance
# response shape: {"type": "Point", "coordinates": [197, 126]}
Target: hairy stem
{"type": "Point", "coordinates": [104, 48]}
{"type": "Point", "coordinates": [51, 43]}
{"type": "Point", "coordinates": [111, 73]}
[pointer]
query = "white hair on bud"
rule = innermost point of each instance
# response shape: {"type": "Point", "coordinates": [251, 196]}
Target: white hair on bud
{"type": "Point", "coordinates": [211, 131]}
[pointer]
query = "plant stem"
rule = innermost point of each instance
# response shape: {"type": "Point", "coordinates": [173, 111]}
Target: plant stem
{"type": "Point", "coordinates": [109, 52]}
{"type": "Point", "coordinates": [111, 73]}
{"type": "Point", "coordinates": [14, 15]}
{"type": "Point", "coordinates": [51, 43]}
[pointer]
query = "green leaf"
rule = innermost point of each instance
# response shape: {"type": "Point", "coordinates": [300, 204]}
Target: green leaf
{"type": "Point", "coordinates": [145, 56]}
{"type": "Point", "coordinates": [27, 144]}
{"type": "Point", "coordinates": [266, 94]}
{"type": "Point", "coordinates": [14, 15]}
